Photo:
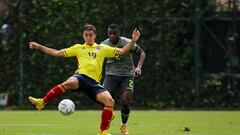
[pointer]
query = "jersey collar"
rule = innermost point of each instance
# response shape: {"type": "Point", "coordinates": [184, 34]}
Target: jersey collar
{"type": "Point", "coordinates": [94, 44]}
{"type": "Point", "coordinates": [117, 42]}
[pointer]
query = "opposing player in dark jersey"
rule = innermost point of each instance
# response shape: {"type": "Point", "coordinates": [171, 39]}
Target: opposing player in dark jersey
{"type": "Point", "coordinates": [86, 78]}
{"type": "Point", "coordinates": [120, 72]}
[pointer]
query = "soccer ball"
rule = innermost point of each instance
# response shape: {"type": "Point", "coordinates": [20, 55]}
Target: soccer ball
{"type": "Point", "coordinates": [66, 107]}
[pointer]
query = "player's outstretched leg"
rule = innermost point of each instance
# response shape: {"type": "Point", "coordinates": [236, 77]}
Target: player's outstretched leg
{"type": "Point", "coordinates": [54, 92]}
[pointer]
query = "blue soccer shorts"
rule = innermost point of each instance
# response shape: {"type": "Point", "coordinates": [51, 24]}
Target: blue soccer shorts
{"type": "Point", "coordinates": [89, 86]}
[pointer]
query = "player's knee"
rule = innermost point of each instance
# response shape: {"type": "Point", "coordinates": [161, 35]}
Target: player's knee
{"type": "Point", "coordinates": [127, 97]}
{"type": "Point", "coordinates": [70, 84]}
{"type": "Point", "coordinates": [125, 103]}
{"type": "Point", "coordinates": [126, 100]}
{"type": "Point", "coordinates": [110, 102]}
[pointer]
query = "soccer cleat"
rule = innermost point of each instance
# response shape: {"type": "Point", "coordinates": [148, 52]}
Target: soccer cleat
{"type": "Point", "coordinates": [124, 129]}
{"type": "Point", "coordinates": [38, 102]}
{"type": "Point", "coordinates": [103, 133]}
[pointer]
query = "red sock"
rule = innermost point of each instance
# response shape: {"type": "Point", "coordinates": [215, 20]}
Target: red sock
{"type": "Point", "coordinates": [106, 118]}
{"type": "Point", "coordinates": [54, 92]}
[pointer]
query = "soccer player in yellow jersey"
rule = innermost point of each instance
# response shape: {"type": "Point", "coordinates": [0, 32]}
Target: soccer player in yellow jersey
{"type": "Point", "coordinates": [90, 60]}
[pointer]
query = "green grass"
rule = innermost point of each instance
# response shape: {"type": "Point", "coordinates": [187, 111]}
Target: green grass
{"type": "Point", "coordinates": [140, 123]}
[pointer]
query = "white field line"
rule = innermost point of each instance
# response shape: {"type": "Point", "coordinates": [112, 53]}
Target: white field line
{"type": "Point", "coordinates": [31, 125]}
{"type": "Point", "coordinates": [27, 134]}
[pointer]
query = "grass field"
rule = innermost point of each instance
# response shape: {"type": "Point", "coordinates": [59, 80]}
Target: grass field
{"type": "Point", "coordinates": [140, 123]}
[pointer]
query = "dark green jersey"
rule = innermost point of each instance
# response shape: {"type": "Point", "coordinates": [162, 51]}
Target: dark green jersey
{"type": "Point", "coordinates": [121, 65]}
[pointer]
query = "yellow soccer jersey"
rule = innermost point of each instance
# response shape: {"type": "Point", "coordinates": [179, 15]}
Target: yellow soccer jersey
{"type": "Point", "coordinates": [90, 58]}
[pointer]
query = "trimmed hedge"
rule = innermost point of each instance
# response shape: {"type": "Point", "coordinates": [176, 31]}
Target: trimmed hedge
{"type": "Point", "coordinates": [167, 31]}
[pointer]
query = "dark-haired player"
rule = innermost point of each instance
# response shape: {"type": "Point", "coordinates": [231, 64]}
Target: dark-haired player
{"type": "Point", "coordinates": [120, 71]}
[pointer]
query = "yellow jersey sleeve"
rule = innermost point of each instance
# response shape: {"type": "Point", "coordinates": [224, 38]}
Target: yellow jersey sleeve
{"type": "Point", "coordinates": [71, 51]}
{"type": "Point", "coordinates": [109, 51]}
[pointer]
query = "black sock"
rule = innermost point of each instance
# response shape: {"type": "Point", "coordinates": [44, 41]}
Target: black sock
{"type": "Point", "coordinates": [125, 111]}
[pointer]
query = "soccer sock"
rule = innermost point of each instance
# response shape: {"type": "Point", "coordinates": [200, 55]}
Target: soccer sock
{"type": "Point", "coordinates": [106, 118]}
{"type": "Point", "coordinates": [125, 111]}
{"type": "Point", "coordinates": [54, 92]}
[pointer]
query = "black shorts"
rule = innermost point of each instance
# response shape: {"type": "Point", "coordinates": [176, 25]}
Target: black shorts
{"type": "Point", "coordinates": [89, 86]}
{"type": "Point", "coordinates": [118, 83]}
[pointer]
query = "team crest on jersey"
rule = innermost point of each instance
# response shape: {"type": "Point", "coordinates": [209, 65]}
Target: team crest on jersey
{"type": "Point", "coordinates": [98, 48]}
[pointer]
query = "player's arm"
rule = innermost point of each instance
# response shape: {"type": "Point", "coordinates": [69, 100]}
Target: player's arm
{"type": "Point", "coordinates": [47, 50]}
{"type": "Point", "coordinates": [141, 57]}
{"type": "Point", "coordinates": [127, 48]}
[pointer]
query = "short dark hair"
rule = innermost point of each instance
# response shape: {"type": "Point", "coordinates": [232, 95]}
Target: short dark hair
{"type": "Point", "coordinates": [114, 26]}
{"type": "Point", "coordinates": [89, 27]}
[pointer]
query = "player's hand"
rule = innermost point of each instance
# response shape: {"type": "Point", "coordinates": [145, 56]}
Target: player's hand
{"type": "Point", "coordinates": [138, 71]}
{"type": "Point", "coordinates": [136, 34]}
{"type": "Point", "coordinates": [34, 45]}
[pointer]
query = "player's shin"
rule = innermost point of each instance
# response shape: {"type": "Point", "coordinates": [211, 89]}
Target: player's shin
{"type": "Point", "coordinates": [53, 93]}
{"type": "Point", "coordinates": [107, 114]}
{"type": "Point", "coordinates": [125, 111]}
